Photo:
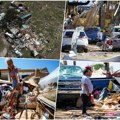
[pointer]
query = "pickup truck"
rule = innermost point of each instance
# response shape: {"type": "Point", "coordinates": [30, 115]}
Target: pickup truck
{"type": "Point", "coordinates": [69, 85]}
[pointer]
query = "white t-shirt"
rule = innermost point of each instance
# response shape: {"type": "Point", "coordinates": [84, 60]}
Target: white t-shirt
{"type": "Point", "coordinates": [86, 80]}
{"type": "Point", "coordinates": [100, 34]}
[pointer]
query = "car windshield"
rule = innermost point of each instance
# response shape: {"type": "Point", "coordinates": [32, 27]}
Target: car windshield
{"type": "Point", "coordinates": [91, 29]}
{"type": "Point", "coordinates": [68, 34]}
{"type": "Point", "coordinates": [82, 34]}
{"type": "Point", "coordinates": [71, 71]}
{"type": "Point", "coordinates": [117, 30]}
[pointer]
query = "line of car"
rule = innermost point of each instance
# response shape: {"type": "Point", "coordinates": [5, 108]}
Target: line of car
{"type": "Point", "coordinates": [85, 36]}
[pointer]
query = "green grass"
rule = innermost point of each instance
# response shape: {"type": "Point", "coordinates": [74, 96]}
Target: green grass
{"type": "Point", "coordinates": [47, 18]}
{"type": "Point", "coordinates": [1, 44]}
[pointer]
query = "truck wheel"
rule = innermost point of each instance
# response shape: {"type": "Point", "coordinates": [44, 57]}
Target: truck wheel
{"type": "Point", "coordinates": [86, 50]}
{"type": "Point", "coordinates": [114, 49]}
{"type": "Point", "coordinates": [63, 50]}
{"type": "Point", "coordinates": [80, 49]}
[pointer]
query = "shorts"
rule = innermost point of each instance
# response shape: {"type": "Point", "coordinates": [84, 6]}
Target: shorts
{"type": "Point", "coordinates": [15, 83]}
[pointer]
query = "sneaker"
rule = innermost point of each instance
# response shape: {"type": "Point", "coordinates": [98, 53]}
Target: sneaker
{"type": "Point", "coordinates": [85, 115]}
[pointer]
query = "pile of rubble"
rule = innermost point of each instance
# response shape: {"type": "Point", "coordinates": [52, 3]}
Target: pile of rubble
{"type": "Point", "coordinates": [111, 102]}
{"type": "Point", "coordinates": [41, 100]}
{"type": "Point", "coordinates": [14, 23]}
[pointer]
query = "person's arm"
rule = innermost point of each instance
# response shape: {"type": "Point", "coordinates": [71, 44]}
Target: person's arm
{"type": "Point", "coordinates": [86, 88]}
{"type": "Point", "coordinates": [10, 77]}
{"type": "Point", "coordinates": [17, 75]}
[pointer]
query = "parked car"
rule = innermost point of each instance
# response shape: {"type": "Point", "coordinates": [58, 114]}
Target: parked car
{"type": "Point", "coordinates": [92, 34]}
{"type": "Point", "coordinates": [69, 85]}
{"type": "Point", "coordinates": [80, 38]}
{"type": "Point", "coordinates": [67, 39]}
{"type": "Point", "coordinates": [116, 43]}
{"type": "Point", "coordinates": [115, 31]}
{"type": "Point", "coordinates": [69, 77]}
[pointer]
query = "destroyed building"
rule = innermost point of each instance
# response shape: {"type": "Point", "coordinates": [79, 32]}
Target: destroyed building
{"type": "Point", "coordinates": [38, 100]}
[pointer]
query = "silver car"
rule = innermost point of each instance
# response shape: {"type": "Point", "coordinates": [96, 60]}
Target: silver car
{"type": "Point", "coordinates": [116, 43]}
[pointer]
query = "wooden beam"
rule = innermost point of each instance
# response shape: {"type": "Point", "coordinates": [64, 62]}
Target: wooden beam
{"type": "Point", "coordinates": [26, 70]}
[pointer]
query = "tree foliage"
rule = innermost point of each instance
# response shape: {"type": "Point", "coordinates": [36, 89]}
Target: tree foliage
{"type": "Point", "coordinates": [98, 66]}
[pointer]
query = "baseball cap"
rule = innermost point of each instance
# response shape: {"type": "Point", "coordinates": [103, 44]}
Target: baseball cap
{"type": "Point", "coordinates": [89, 68]}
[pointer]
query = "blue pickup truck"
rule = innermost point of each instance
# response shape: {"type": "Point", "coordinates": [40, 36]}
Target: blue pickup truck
{"type": "Point", "coordinates": [70, 78]}
{"type": "Point", "coordinates": [69, 85]}
{"type": "Point", "coordinates": [92, 33]}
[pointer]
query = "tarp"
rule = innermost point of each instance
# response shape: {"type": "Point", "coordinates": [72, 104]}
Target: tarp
{"type": "Point", "coordinates": [118, 79]}
{"type": "Point", "coordinates": [51, 78]}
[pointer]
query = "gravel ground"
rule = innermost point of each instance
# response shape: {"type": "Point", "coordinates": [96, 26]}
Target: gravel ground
{"type": "Point", "coordinates": [95, 53]}
{"type": "Point", "coordinates": [77, 114]}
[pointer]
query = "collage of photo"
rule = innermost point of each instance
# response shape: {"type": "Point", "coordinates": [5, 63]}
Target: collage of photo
{"type": "Point", "coordinates": [60, 60]}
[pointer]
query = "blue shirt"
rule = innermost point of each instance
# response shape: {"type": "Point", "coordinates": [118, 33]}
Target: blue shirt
{"type": "Point", "coordinates": [86, 80]}
{"type": "Point", "coordinates": [104, 36]}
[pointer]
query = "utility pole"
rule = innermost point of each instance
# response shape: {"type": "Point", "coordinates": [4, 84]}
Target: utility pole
{"type": "Point", "coordinates": [102, 14]}
{"type": "Point", "coordinates": [107, 67]}
{"type": "Point", "coordinates": [100, 11]}
{"type": "Point", "coordinates": [65, 62]}
{"type": "Point", "coordinates": [74, 63]}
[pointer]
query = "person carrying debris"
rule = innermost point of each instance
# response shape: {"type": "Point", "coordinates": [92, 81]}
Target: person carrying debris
{"type": "Point", "coordinates": [104, 38]}
{"type": "Point", "coordinates": [100, 34]}
{"type": "Point", "coordinates": [87, 88]}
{"type": "Point", "coordinates": [14, 75]}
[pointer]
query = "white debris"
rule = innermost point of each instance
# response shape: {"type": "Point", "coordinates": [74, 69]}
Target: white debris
{"type": "Point", "coordinates": [37, 43]}
{"type": "Point", "coordinates": [2, 15]}
{"type": "Point", "coordinates": [14, 31]}
{"type": "Point", "coordinates": [18, 53]}
{"type": "Point", "coordinates": [35, 53]}
{"type": "Point", "coordinates": [72, 54]}
{"type": "Point", "coordinates": [9, 35]}
{"type": "Point", "coordinates": [27, 36]}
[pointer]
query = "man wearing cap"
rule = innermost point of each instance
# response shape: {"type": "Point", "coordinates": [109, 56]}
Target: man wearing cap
{"type": "Point", "coordinates": [87, 88]}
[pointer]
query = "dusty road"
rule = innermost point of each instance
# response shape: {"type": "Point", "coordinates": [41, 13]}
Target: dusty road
{"type": "Point", "coordinates": [94, 54]}
{"type": "Point", "coordinates": [75, 113]}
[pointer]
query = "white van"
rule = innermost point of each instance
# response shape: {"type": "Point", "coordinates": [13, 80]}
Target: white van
{"type": "Point", "coordinates": [115, 31]}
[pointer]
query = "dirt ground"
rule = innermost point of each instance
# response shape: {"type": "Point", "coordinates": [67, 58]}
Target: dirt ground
{"type": "Point", "coordinates": [22, 114]}
{"type": "Point", "coordinates": [76, 113]}
{"type": "Point", "coordinates": [94, 53]}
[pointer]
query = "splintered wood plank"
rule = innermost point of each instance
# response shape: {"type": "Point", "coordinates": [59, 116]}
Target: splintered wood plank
{"type": "Point", "coordinates": [23, 115]}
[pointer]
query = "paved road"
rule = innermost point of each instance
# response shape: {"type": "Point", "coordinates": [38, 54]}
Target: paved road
{"type": "Point", "coordinates": [95, 54]}
{"type": "Point", "coordinates": [114, 59]}
{"type": "Point", "coordinates": [66, 57]}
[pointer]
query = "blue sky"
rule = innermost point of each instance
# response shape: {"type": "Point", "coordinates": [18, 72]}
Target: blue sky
{"type": "Point", "coordinates": [31, 63]}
